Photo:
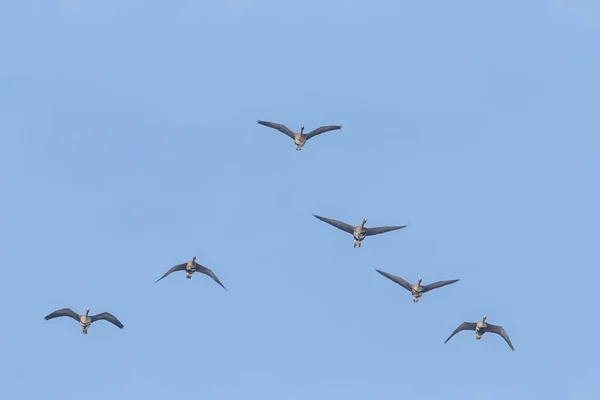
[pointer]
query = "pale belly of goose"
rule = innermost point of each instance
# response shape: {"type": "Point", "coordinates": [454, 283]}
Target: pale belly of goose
{"type": "Point", "coordinates": [360, 235]}
{"type": "Point", "coordinates": [188, 273]}
{"type": "Point", "coordinates": [85, 323]}
{"type": "Point", "coordinates": [299, 141]}
{"type": "Point", "coordinates": [416, 295]}
{"type": "Point", "coordinates": [479, 331]}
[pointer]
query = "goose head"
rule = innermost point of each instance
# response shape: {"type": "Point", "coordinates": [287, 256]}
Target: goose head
{"type": "Point", "coordinates": [302, 129]}
{"type": "Point", "coordinates": [87, 311]}
{"type": "Point", "coordinates": [194, 258]}
{"type": "Point", "coordinates": [484, 317]}
{"type": "Point", "coordinates": [364, 222]}
{"type": "Point", "coordinates": [419, 282]}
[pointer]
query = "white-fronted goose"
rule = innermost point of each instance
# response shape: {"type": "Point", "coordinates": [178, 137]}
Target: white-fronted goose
{"type": "Point", "coordinates": [190, 267]}
{"type": "Point", "coordinates": [480, 328]}
{"type": "Point", "coordinates": [359, 232]}
{"type": "Point", "coordinates": [299, 138]}
{"type": "Point", "coordinates": [418, 289]}
{"type": "Point", "coordinates": [85, 320]}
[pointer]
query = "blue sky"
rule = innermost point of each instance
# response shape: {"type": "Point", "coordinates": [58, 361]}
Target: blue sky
{"type": "Point", "coordinates": [130, 144]}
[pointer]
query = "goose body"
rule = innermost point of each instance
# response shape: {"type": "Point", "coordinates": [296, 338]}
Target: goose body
{"type": "Point", "coordinates": [299, 138]}
{"type": "Point", "coordinates": [480, 328]}
{"type": "Point", "coordinates": [190, 267]}
{"type": "Point", "coordinates": [360, 232]}
{"type": "Point", "coordinates": [86, 319]}
{"type": "Point", "coordinates": [417, 290]}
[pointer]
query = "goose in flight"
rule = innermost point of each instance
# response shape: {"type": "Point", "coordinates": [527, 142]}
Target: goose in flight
{"type": "Point", "coordinates": [190, 267]}
{"type": "Point", "coordinates": [358, 232]}
{"type": "Point", "coordinates": [418, 289]}
{"type": "Point", "coordinates": [480, 328]}
{"type": "Point", "coordinates": [301, 137]}
{"type": "Point", "coordinates": [85, 320]}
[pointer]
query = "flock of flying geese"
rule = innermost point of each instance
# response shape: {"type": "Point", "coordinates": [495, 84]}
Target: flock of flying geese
{"type": "Point", "coordinates": [359, 233]}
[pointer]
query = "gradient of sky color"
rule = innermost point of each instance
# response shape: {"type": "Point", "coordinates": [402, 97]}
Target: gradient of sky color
{"type": "Point", "coordinates": [129, 144]}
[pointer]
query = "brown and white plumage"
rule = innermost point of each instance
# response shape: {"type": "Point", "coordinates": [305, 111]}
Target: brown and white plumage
{"type": "Point", "coordinates": [416, 290]}
{"type": "Point", "coordinates": [358, 232]}
{"type": "Point", "coordinates": [480, 328]}
{"type": "Point", "coordinates": [190, 267]}
{"type": "Point", "coordinates": [299, 138]}
{"type": "Point", "coordinates": [85, 320]}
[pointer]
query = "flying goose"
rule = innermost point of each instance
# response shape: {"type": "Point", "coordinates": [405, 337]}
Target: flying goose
{"type": "Point", "coordinates": [85, 320]}
{"type": "Point", "coordinates": [359, 232]}
{"type": "Point", "coordinates": [416, 290]}
{"type": "Point", "coordinates": [190, 267]}
{"type": "Point", "coordinates": [299, 138]}
{"type": "Point", "coordinates": [480, 328]}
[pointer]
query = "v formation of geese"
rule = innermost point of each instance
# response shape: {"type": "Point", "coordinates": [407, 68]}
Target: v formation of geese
{"type": "Point", "coordinates": [359, 233]}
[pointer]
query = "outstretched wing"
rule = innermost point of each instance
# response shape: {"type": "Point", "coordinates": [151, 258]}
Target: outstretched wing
{"type": "Point", "coordinates": [439, 284]}
{"type": "Point", "coordinates": [497, 329]}
{"type": "Point", "coordinates": [206, 271]}
{"type": "Point", "coordinates": [338, 224]}
{"type": "Point", "coordinates": [382, 229]}
{"type": "Point", "coordinates": [322, 129]}
{"type": "Point", "coordinates": [279, 127]}
{"type": "Point", "coordinates": [180, 267]}
{"type": "Point", "coordinates": [396, 279]}
{"type": "Point", "coordinates": [63, 312]}
{"type": "Point", "coordinates": [465, 326]}
{"type": "Point", "coordinates": [107, 317]}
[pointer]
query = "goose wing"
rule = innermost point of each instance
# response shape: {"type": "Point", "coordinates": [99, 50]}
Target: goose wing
{"type": "Point", "coordinates": [180, 267]}
{"type": "Point", "coordinates": [207, 271]}
{"type": "Point", "coordinates": [438, 284]}
{"type": "Point", "coordinates": [465, 326]}
{"type": "Point", "coordinates": [63, 312]}
{"type": "Point", "coordinates": [338, 224]}
{"type": "Point", "coordinates": [280, 127]}
{"type": "Point", "coordinates": [322, 129]}
{"type": "Point", "coordinates": [382, 229]}
{"type": "Point", "coordinates": [396, 279]}
{"type": "Point", "coordinates": [107, 317]}
{"type": "Point", "coordinates": [497, 329]}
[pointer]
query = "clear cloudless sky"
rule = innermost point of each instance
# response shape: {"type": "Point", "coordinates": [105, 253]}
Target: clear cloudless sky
{"type": "Point", "coordinates": [129, 143]}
